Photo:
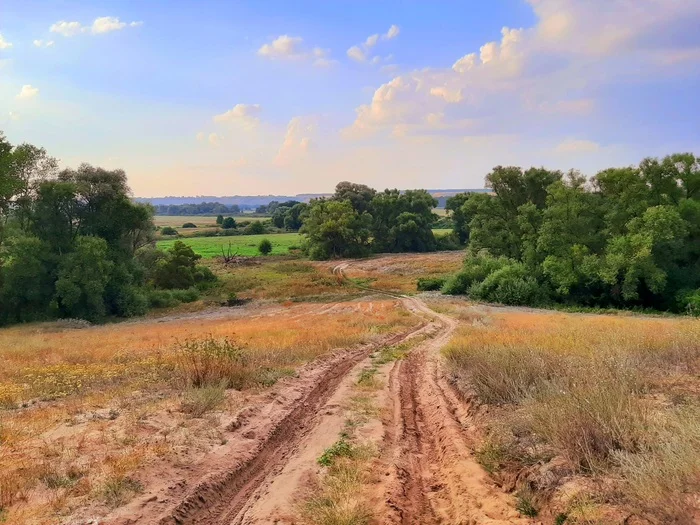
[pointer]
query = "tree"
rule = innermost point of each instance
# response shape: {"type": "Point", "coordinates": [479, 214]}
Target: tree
{"type": "Point", "coordinates": [177, 268]}
{"type": "Point", "coordinates": [265, 247]}
{"type": "Point", "coordinates": [228, 223]}
{"type": "Point", "coordinates": [402, 221]}
{"type": "Point", "coordinates": [359, 195]}
{"type": "Point", "coordinates": [454, 205]}
{"type": "Point", "coordinates": [219, 219]}
{"type": "Point", "coordinates": [168, 230]}
{"type": "Point", "coordinates": [255, 228]}
{"type": "Point", "coordinates": [334, 229]}
{"type": "Point", "coordinates": [83, 275]}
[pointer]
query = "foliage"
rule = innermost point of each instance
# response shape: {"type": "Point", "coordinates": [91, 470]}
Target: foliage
{"type": "Point", "coordinates": [168, 230]}
{"type": "Point", "coordinates": [428, 284]}
{"type": "Point", "coordinates": [203, 208]}
{"type": "Point", "coordinates": [334, 229]}
{"type": "Point", "coordinates": [228, 223]}
{"type": "Point", "coordinates": [265, 247]}
{"type": "Point", "coordinates": [189, 225]}
{"type": "Point", "coordinates": [68, 239]}
{"type": "Point", "coordinates": [255, 228]}
{"type": "Point", "coordinates": [628, 238]}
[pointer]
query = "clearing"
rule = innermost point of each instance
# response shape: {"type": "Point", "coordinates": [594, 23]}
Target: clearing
{"type": "Point", "coordinates": [247, 245]}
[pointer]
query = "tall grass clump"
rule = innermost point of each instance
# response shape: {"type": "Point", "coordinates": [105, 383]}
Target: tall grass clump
{"type": "Point", "coordinates": [209, 361]}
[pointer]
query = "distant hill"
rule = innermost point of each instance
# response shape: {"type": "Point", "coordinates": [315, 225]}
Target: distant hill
{"type": "Point", "coordinates": [253, 201]}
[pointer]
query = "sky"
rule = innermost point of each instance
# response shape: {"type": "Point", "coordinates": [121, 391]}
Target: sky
{"type": "Point", "coordinates": [280, 97]}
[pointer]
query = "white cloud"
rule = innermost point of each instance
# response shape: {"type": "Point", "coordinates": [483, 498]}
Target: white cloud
{"type": "Point", "coordinates": [27, 92]}
{"type": "Point", "coordinates": [286, 47]}
{"type": "Point", "coordinates": [577, 146]}
{"type": "Point", "coordinates": [105, 24]}
{"type": "Point", "coordinates": [356, 54]}
{"type": "Point", "coordinates": [42, 43]}
{"type": "Point", "coordinates": [464, 64]}
{"type": "Point", "coordinates": [4, 44]}
{"type": "Point", "coordinates": [556, 69]}
{"type": "Point", "coordinates": [393, 32]}
{"type": "Point", "coordinates": [245, 114]}
{"type": "Point", "coordinates": [101, 25]}
{"type": "Point", "coordinates": [447, 95]}
{"type": "Point", "coordinates": [67, 28]}
{"type": "Point", "coordinates": [214, 139]}
{"type": "Point", "coordinates": [297, 141]}
{"type": "Point", "coordinates": [361, 52]}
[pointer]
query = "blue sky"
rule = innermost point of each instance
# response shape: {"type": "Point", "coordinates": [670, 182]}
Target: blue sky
{"type": "Point", "coordinates": [224, 98]}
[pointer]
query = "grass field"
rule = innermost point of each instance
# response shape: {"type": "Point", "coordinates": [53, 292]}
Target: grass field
{"type": "Point", "coordinates": [209, 247]}
{"type": "Point", "coordinates": [202, 221]}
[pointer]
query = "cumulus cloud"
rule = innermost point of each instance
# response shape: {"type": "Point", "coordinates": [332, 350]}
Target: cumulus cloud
{"type": "Point", "coordinates": [362, 52]}
{"type": "Point", "coordinates": [246, 114]}
{"type": "Point", "coordinates": [4, 44]}
{"type": "Point", "coordinates": [101, 25]}
{"type": "Point", "coordinates": [556, 69]}
{"type": "Point", "coordinates": [43, 43]}
{"type": "Point", "coordinates": [28, 91]}
{"type": "Point", "coordinates": [297, 141]}
{"type": "Point", "coordinates": [286, 47]}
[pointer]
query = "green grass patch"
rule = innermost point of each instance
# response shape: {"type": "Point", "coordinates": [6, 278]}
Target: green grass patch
{"type": "Point", "coordinates": [247, 245]}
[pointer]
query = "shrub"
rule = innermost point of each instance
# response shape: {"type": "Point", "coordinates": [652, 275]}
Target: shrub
{"type": "Point", "coordinates": [509, 284]}
{"type": "Point", "coordinates": [168, 230]}
{"type": "Point", "coordinates": [340, 449]}
{"type": "Point", "coordinates": [476, 269]}
{"type": "Point", "coordinates": [689, 302]}
{"type": "Point", "coordinates": [189, 225]}
{"type": "Point", "coordinates": [228, 223]}
{"type": "Point", "coordinates": [428, 284]}
{"type": "Point", "coordinates": [185, 296]}
{"type": "Point", "coordinates": [161, 298]}
{"type": "Point", "coordinates": [447, 242]}
{"type": "Point", "coordinates": [265, 247]}
{"type": "Point", "coordinates": [131, 302]}
{"type": "Point", "coordinates": [198, 401]}
{"type": "Point", "coordinates": [210, 361]}
{"type": "Point", "coordinates": [255, 228]}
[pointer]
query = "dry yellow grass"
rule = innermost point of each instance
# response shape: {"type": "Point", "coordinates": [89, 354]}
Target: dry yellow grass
{"type": "Point", "coordinates": [615, 398]}
{"type": "Point", "coordinates": [85, 410]}
{"type": "Point", "coordinates": [399, 273]}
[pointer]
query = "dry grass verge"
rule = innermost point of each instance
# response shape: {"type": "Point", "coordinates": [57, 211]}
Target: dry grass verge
{"type": "Point", "coordinates": [611, 400]}
{"type": "Point", "coordinates": [87, 411]}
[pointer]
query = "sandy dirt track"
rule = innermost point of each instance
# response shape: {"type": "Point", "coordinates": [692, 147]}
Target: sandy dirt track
{"type": "Point", "coordinates": [429, 475]}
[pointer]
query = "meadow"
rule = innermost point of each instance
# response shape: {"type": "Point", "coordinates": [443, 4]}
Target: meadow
{"type": "Point", "coordinates": [592, 414]}
{"type": "Point", "coordinates": [247, 245]}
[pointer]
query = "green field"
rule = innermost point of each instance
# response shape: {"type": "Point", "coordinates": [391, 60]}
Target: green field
{"type": "Point", "coordinates": [209, 247]}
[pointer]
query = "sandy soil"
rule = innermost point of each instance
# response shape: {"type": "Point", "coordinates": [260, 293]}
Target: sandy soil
{"type": "Point", "coordinates": [426, 472]}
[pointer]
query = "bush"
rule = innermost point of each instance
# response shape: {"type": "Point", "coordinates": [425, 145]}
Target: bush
{"type": "Point", "coordinates": [689, 302]}
{"type": "Point", "coordinates": [168, 230]}
{"type": "Point", "coordinates": [131, 302]}
{"type": "Point", "coordinates": [254, 228]}
{"type": "Point", "coordinates": [185, 296]}
{"type": "Point", "coordinates": [161, 299]}
{"type": "Point", "coordinates": [447, 242]}
{"type": "Point", "coordinates": [209, 361]}
{"type": "Point", "coordinates": [476, 269]}
{"type": "Point", "coordinates": [429, 284]}
{"type": "Point", "coordinates": [228, 223]}
{"type": "Point", "coordinates": [510, 284]}
{"type": "Point", "coordinates": [189, 225]}
{"type": "Point", "coordinates": [265, 247]}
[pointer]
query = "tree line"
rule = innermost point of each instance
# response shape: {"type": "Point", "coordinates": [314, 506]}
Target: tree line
{"type": "Point", "coordinates": [358, 220]}
{"type": "Point", "coordinates": [629, 237]}
{"type": "Point", "coordinates": [74, 244]}
{"type": "Point", "coordinates": [203, 208]}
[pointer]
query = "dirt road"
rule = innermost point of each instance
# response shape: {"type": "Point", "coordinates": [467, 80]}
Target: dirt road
{"type": "Point", "coordinates": [429, 473]}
